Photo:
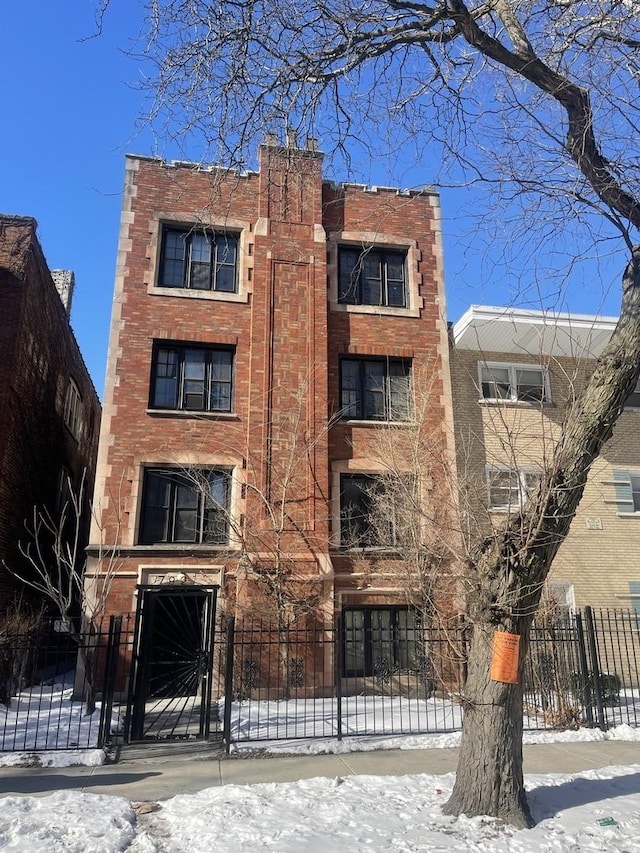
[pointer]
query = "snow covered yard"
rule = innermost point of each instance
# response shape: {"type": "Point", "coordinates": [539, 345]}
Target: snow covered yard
{"type": "Point", "coordinates": [359, 813]}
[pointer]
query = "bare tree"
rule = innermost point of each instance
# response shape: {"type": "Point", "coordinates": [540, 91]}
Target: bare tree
{"type": "Point", "coordinates": [537, 98]}
{"type": "Point", "coordinates": [54, 568]}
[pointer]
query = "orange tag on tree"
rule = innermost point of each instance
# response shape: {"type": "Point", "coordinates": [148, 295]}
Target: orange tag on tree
{"type": "Point", "coordinates": [506, 654]}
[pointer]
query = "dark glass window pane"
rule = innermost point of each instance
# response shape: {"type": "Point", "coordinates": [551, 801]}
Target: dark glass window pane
{"type": "Point", "coordinates": [216, 520]}
{"type": "Point", "coordinates": [355, 508]}
{"type": "Point", "coordinates": [221, 375]}
{"type": "Point", "coordinates": [226, 263]}
{"type": "Point", "coordinates": [372, 277]}
{"type": "Point", "coordinates": [193, 383]}
{"type": "Point", "coordinates": [226, 279]}
{"type": "Point", "coordinates": [348, 286]}
{"type": "Point", "coordinates": [399, 391]}
{"type": "Point", "coordinates": [371, 290]}
{"type": "Point", "coordinates": [199, 260]}
{"type": "Point", "coordinates": [375, 387]}
{"type": "Point", "coordinates": [172, 273]}
{"type": "Point", "coordinates": [350, 397]}
{"type": "Point", "coordinates": [495, 383]}
{"type": "Point", "coordinates": [156, 503]}
{"type": "Point", "coordinates": [379, 641]}
{"type": "Point", "coordinates": [354, 642]}
{"type": "Point", "coordinates": [530, 385]}
{"type": "Point", "coordinates": [166, 379]}
{"type": "Point", "coordinates": [394, 270]}
{"type": "Point", "coordinates": [193, 379]}
{"type": "Point", "coordinates": [178, 507]}
{"type": "Point", "coordinates": [187, 498]}
{"type": "Point", "coordinates": [200, 248]}
{"type": "Point", "coordinates": [396, 294]}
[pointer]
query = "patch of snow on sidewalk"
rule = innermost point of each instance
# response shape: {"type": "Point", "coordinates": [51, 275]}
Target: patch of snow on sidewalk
{"type": "Point", "coordinates": [66, 822]}
{"type": "Point", "coordinates": [402, 815]}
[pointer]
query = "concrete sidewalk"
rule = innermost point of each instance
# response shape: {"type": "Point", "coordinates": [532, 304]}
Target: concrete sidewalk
{"type": "Point", "coordinates": [158, 778]}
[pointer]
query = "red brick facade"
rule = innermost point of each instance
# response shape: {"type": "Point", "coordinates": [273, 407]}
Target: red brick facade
{"type": "Point", "coordinates": [282, 442]}
{"type": "Point", "coordinates": [39, 360]}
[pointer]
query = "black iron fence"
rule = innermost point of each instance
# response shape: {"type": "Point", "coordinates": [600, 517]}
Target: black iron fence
{"type": "Point", "coordinates": [382, 676]}
{"type": "Point", "coordinates": [56, 693]}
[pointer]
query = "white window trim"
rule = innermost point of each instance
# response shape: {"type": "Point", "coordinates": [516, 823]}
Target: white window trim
{"type": "Point", "coordinates": [562, 592]}
{"type": "Point", "coordinates": [378, 240]}
{"type": "Point", "coordinates": [512, 367]}
{"type": "Point", "coordinates": [622, 503]}
{"type": "Point", "coordinates": [521, 474]}
{"type": "Point", "coordinates": [240, 227]}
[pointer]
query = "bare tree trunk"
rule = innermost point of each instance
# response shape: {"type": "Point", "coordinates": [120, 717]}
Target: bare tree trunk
{"type": "Point", "coordinates": [508, 571]}
{"type": "Point", "coordinates": [491, 746]}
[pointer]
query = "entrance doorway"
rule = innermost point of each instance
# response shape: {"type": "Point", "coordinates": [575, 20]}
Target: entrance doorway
{"type": "Point", "coordinates": [170, 697]}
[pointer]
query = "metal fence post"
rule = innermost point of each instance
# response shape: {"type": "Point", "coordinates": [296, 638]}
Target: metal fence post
{"type": "Point", "coordinates": [583, 674]}
{"type": "Point", "coordinates": [338, 647]}
{"type": "Point", "coordinates": [108, 684]}
{"type": "Point", "coordinates": [228, 685]}
{"type": "Point", "coordinates": [595, 668]}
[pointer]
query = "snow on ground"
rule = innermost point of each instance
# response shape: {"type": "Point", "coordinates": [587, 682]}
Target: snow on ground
{"type": "Point", "coordinates": [360, 813]}
{"type": "Point", "coordinates": [67, 821]}
{"type": "Point", "coordinates": [54, 758]}
{"type": "Point", "coordinates": [46, 717]}
{"type": "Point", "coordinates": [322, 746]}
{"type": "Point", "coordinates": [361, 715]}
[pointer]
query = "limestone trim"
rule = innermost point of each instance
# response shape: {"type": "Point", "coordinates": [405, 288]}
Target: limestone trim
{"type": "Point", "coordinates": [109, 411]}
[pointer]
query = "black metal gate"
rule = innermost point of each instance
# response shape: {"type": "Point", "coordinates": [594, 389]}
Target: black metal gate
{"type": "Point", "coordinates": [170, 696]}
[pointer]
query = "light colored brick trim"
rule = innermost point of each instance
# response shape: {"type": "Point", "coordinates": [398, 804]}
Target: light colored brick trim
{"type": "Point", "coordinates": [106, 440]}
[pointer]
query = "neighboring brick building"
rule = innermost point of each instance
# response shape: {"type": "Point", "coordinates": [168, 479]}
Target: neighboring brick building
{"type": "Point", "coordinates": [266, 328]}
{"type": "Point", "coordinates": [513, 373]}
{"type": "Point", "coordinates": [49, 410]}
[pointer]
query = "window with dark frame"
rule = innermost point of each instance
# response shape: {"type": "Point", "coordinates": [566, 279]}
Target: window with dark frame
{"type": "Point", "coordinates": [73, 410]}
{"type": "Point", "coordinates": [379, 641]}
{"type": "Point", "coordinates": [368, 511]}
{"type": "Point", "coordinates": [198, 259]}
{"type": "Point", "coordinates": [375, 389]}
{"type": "Point", "coordinates": [195, 379]}
{"type": "Point", "coordinates": [185, 506]}
{"type": "Point", "coordinates": [372, 277]}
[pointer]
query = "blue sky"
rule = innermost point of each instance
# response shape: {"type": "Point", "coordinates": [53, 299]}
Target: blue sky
{"type": "Point", "coordinates": [69, 114]}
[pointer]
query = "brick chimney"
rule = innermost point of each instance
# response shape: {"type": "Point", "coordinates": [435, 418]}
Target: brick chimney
{"type": "Point", "coordinates": [290, 181]}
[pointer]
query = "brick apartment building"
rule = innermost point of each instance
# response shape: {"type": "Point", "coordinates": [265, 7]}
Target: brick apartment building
{"type": "Point", "coordinates": [513, 373]}
{"type": "Point", "coordinates": [267, 331]}
{"type": "Point", "coordinates": [49, 409]}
